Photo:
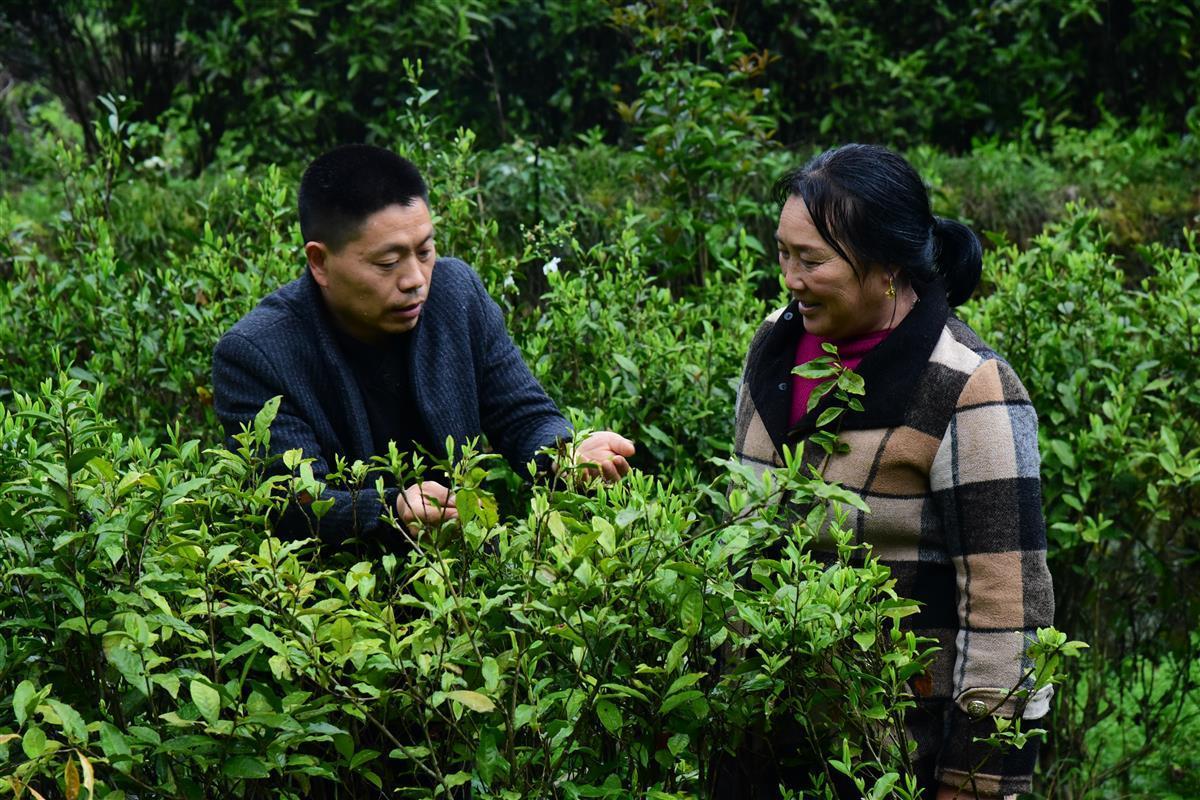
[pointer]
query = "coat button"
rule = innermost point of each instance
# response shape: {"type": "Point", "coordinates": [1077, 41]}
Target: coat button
{"type": "Point", "coordinates": [787, 315]}
{"type": "Point", "coordinates": [783, 387]}
{"type": "Point", "coordinates": [977, 709]}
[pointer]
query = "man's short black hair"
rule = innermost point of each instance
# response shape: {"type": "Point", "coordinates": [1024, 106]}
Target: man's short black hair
{"type": "Point", "coordinates": [343, 187]}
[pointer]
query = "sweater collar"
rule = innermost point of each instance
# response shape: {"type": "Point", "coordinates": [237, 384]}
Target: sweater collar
{"type": "Point", "coordinates": [337, 368]}
{"type": "Point", "coordinates": [890, 371]}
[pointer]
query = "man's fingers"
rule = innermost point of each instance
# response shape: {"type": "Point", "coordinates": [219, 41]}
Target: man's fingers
{"type": "Point", "coordinates": [622, 446]}
{"type": "Point", "coordinates": [614, 468]}
{"type": "Point", "coordinates": [439, 499]}
{"type": "Point", "coordinates": [611, 468]}
{"type": "Point", "coordinates": [429, 501]}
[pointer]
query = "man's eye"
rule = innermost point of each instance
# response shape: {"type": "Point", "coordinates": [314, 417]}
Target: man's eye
{"type": "Point", "coordinates": [386, 264]}
{"type": "Point", "coordinates": [424, 254]}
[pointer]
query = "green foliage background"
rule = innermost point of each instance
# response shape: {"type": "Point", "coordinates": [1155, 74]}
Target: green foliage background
{"type": "Point", "coordinates": [605, 167]}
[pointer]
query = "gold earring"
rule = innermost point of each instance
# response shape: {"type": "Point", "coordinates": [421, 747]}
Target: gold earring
{"type": "Point", "coordinates": [891, 290]}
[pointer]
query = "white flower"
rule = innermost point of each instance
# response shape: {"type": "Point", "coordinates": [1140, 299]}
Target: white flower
{"type": "Point", "coordinates": [551, 265]}
{"type": "Point", "coordinates": [509, 282]}
{"type": "Point", "coordinates": [154, 162]}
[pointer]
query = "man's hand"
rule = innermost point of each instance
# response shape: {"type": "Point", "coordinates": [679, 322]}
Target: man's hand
{"type": "Point", "coordinates": [426, 503]}
{"type": "Point", "coordinates": [604, 453]}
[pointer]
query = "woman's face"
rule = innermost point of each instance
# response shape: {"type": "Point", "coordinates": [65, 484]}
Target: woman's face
{"type": "Point", "coordinates": [830, 296]}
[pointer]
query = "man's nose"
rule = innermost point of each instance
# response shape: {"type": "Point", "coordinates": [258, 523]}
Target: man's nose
{"type": "Point", "coordinates": [409, 277]}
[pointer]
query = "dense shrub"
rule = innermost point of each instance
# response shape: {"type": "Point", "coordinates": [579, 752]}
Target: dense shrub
{"type": "Point", "coordinates": [1138, 179]}
{"type": "Point", "coordinates": [581, 345]}
{"type": "Point", "coordinates": [1110, 365]}
{"type": "Point", "coordinates": [156, 640]}
{"type": "Point", "coordinates": [261, 82]}
{"type": "Point", "coordinates": [943, 73]}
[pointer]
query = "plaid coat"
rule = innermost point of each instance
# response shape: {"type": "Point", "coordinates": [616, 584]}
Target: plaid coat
{"type": "Point", "coordinates": [945, 454]}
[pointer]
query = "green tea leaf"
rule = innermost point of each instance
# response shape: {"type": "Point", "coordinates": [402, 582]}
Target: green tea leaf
{"type": "Point", "coordinates": [206, 698]}
{"type": "Point", "coordinates": [610, 715]}
{"type": "Point", "coordinates": [472, 700]}
{"type": "Point", "coordinates": [675, 654]}
{"type": "Point", "coordinates": [607, 534]}
{"type": "Point", "coordinates": [491, 673]}
{"type": "Point", "coordinates": [245, 768]}
{"type": "Point", "coordinates": [115, 746]}
{"type": "Point", "coordinates": [22, 697]}
{"type": "Point", "coordinates": [865, 639]}
{"type": "Point", "coordinates": [676, 700]}
{"type": "Point", "coordinates": [33, 742]}
{"type": "Point", "coordinates": [72, 723]}
{"type": "Point", "coordinates": [627, 364]}
{"type": "Point", "coordinates": [691, 612]}
{"type": "Point", "coordinates": [829, 415]}
{"type": "Point", "coordinates": [129, 664]}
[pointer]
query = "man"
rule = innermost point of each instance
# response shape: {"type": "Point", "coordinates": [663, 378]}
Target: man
{"type": "Point", "coordinates": [382, 341]}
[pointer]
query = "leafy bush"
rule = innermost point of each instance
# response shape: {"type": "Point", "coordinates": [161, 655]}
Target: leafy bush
{"type": "Point", "coordinates": [157, 640]}
{"type": "Point", "coordinates": [144, 325]}
{"type": "Point", "coordinates": [623, 350]}
{"type": "Point", "coordinates": [1110, 367]}
{"type": "Point", "coordinates": [1138, 179]}
{"type": "Point", "coordinates": [259, 83]}
{"type": "Point", "coordinates": [943, 74]}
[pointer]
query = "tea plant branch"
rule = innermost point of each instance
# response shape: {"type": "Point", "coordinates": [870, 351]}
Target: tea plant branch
{"type": "Point", "coordinates": [212, 626]}
{"type": "Point", "coordinates": [154, 791]}
{"type": "Point", "coordinates": [326, 682]}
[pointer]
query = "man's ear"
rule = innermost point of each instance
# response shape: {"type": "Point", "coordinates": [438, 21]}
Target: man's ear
{"type": "Point", "coordinates": [318, 255]}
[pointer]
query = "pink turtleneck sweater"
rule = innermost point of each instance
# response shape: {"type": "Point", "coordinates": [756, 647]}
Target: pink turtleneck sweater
{"type": "Point", "coordinates": [851, 350]}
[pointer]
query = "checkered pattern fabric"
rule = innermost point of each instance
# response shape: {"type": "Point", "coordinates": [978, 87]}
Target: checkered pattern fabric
{"type": "Point", "coordinates": [945, 454]}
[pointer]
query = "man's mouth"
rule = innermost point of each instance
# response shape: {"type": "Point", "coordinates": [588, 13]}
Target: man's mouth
{"type": "Point", "coordinates": [407, 312]}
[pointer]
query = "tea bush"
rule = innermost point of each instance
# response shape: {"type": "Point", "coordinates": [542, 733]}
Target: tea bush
{"type": "Point", "coordinates": [1138, 179]}
{"type": "Point", "coordinates": [1110, 365]}
{"type": "Point", "coordinates": [156, 640]}
{"type": "Point", "coordinates": [71, 474]}
{"type": "Point", "coordinates": [235, 84]}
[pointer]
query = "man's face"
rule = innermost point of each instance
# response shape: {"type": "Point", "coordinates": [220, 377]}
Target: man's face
{"type": "Point", "coordinates": [377, 283]}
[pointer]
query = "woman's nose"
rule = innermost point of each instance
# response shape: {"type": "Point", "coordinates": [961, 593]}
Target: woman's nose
{"type": "Point", "coordinates": [793, 279]}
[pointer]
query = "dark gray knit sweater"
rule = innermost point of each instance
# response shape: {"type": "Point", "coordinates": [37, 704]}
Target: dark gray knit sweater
{"type": "Point", "coordinates": [468, 378]}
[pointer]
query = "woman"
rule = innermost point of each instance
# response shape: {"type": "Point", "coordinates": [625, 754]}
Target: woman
{"type": "Point", "coordinates": [944, 450]}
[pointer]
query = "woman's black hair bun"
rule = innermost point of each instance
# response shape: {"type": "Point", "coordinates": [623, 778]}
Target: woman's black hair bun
{"type": "Point", "coordinates": [959, 259]}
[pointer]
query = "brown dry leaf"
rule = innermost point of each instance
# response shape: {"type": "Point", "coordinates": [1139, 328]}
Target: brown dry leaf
{"type": "Point", "coordinates": [89, 775]}
{"type": "Point", "coordinates": [71, 779]}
